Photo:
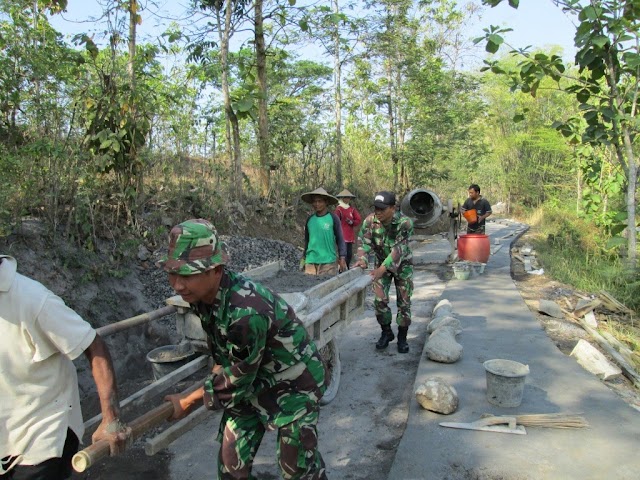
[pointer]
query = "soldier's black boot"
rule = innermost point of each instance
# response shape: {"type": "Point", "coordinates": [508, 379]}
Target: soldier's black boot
{"type": "Point", "coordinates": [385, 337]}
{"type": "Point", "coordinates": [403, 346]}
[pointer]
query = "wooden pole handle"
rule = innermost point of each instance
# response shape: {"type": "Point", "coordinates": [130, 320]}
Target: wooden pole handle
{"type": "Point", "coordinates": [157, 416]}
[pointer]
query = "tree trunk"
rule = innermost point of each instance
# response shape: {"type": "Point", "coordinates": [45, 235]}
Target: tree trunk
{"type": "Point", "coordinates": [224, 82]}
{"type": "Point", "coordinates": [337, 71]}
{"type": "Point", "coordinates": [632, 181]}
{"type": "Point", "coordinates": [629, 164]}
{"type": "Point", "coordinates": [133, 9]}
{"type": "Point", "coordinates": [392, 126]}
{"type": "Point", "coordinates": [137, 174]}
{"type": "Point", "coordinates": [263, 118]}
{"type": "Point", "coordinates": [233, 130]}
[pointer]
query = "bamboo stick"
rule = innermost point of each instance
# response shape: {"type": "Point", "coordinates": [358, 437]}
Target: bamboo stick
{"type": "Point", "coordinates": [157, 416]}
{"type": "Point", "coordinates": [146, 393]}
{"type": "Point", "coordinates": [134, 321]}
{"type": "Point", "coordinates": [179, 428]}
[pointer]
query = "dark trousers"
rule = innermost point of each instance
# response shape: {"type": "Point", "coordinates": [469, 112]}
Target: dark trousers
{"type": "Point", "coordinates": [349, 254]}
{"type": "Point", "coordinates": [476, 228]}
{"type": "Point", "coordinates": [51, 469]}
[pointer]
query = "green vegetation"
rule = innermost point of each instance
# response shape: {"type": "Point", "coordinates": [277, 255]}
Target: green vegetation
{"type": "Point", "coordinates": [105, 144]}
{"type": "Point", "coordinates": [572, 252]}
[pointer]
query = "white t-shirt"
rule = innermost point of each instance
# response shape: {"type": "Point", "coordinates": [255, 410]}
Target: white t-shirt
{"type": "Point", "coordinates": [39, 338]}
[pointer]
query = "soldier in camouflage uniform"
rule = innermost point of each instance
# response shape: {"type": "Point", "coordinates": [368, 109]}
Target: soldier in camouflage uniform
{"type": "Point", "coordinates": [386, 233]}
{"type": "Point", "coordinates": [268, 372]}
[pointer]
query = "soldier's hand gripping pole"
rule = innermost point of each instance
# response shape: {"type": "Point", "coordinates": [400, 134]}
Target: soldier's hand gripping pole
{"type": "Point", "coordinates": [153, 418]}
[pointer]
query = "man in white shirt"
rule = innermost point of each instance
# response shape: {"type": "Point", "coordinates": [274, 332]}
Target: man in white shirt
{"type": "Point", "coordinates": [40, 418]}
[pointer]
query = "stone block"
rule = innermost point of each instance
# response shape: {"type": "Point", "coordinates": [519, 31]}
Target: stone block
{"type": "Point", "coordinates": [594, 361]}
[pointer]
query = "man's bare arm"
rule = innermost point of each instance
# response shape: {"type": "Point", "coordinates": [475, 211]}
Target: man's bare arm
{"type": "Point", "coordinates": [111, 428]}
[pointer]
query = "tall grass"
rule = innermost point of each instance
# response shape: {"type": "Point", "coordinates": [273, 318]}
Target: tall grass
{"type": "Point", "coordinates": [571, 249]}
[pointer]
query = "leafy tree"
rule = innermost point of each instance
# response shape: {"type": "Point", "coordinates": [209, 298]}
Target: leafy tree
{"type": "Point", "coordinates": [227, 15]}
{"type": "Point", "coordinates": [606, 88]}
{"type": "Point", "coordinates": [534, 163]}
{"type": "Point", "coordinates": [34, 66]}
{"type": "Point", "coordinates": [338, 34]}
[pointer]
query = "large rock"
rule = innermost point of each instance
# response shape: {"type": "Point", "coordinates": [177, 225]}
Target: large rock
{"type": "Point", "coordinates": [442, 308]}
{"type": "Point", "coordinates": [550, 308]}
{"type": "Point", "coordinates": [443, 321]}
{"type": "Point", "coordinates": [437, 395]}
{"type": "Point", "coordinates": [442, 346]}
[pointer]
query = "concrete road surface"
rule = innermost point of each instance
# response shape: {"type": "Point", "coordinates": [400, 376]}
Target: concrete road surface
{"type": "Point", "coordinates": [497, 324]}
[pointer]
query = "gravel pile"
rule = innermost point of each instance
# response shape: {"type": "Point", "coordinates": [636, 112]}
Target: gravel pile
{"type": "Point", "coordinates": [245, 253]}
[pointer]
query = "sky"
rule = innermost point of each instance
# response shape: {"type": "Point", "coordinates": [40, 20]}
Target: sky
{"type": "Point", "coordinates": [536, 22]}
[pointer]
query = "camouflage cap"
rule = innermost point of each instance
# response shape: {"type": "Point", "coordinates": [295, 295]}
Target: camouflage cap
{"type": "Point", "coordinates": [194, 247]}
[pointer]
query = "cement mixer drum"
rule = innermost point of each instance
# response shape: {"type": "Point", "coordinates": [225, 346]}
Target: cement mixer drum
{"type": "Point", "coordinates": [423, 206]}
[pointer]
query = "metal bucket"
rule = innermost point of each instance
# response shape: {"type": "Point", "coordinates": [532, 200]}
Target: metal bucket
{"type": "Point", "coordinates": [168, 358]}
{"type": "Point", "coordinates": [505, 382]}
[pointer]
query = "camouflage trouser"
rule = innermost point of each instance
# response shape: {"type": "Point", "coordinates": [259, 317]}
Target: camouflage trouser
{"type": "Point", "coordinates": [403, 280]}
{"type": "Point", "coordinates": [298, 455]}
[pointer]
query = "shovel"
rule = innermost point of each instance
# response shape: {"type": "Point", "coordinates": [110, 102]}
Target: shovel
{"type": "Point", "coordinates": [490, 424]}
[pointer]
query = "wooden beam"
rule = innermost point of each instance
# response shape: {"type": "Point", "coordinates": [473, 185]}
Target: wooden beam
{"type": "Point", "coordinates": [175, 431]}
{"type": "Point", "coordinates": [580, 312]}
{"type": "Point", "coordinates": [155, 388]}
{"type": "Point", "coordinates": [153, 418]}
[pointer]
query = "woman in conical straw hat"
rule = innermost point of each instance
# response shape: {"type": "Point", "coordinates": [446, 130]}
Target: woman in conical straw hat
{"type": "Point", "coordinates": [350, 220]}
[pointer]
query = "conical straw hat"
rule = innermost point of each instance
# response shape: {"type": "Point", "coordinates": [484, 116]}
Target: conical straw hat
{"type": "Point", "coordinates": [308, 197]}
{"type": "Point", "coordinates": [345, 193]}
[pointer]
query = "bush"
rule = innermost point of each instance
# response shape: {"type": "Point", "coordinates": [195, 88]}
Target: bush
{"type": "Point", "coordinates": [572, 250]}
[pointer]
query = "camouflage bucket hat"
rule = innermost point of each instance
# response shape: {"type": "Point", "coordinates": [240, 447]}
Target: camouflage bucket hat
{"type": "Point", "coordinates": [194, 247]}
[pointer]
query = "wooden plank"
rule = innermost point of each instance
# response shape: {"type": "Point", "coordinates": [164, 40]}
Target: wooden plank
{"type": "Point", "coordinates": [627, 369]}
{"type": "Point", "coordinates": [612, 304]}
{"type": "Point", "coordinates": [335, 299]}
{"type": "Point", "coordinates": [517, 257]}
{"type": "Point", "coordinates": [155, 388]}
{"type": "Point", "coordinates": [175, 431]}
{"type": "Point", "coordinates": [620, 347]}
{"type": "Point", "coordinates": [580, 312]}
